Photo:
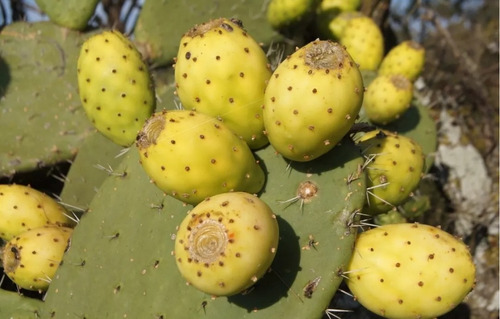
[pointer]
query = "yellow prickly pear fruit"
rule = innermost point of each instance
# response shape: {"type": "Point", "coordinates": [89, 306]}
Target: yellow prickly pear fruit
{"type": "Point", "coordinates": [31, 258]}
{"type": "Point", "coordinates": [331, 26]}
{"type": "Point", "coordinates": [404, 270]}
{"type": "Point", "coordinates": [312, 100]}
{"type": "Point", "coordinates": [339, 5]}
{"type": "Point", "coordinates": [226, 243]}
{"type": "Point", "coordinates": [23, 208]}
{"type": "Point", "coordinates": [394, 168]}
{"type": "Point", "coordinates": [364, 41]}
{"type": "Point", "coordinates": [285, 13]}
{"type": "Point", "coordinates": [332, 15]}
{"type": "Point", "coordinates": [191, 156]}
{"type": "Point", "coordinates": [387, 97]}
{"type": "Point", "coordinates": [115, 87]}
{"type": "Point", "coordinates": [220, 70]}
{"type": "Point", "coordinates": [407, 58]}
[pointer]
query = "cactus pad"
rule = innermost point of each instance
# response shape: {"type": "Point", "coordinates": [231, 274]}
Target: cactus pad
{"type": "Point", "coordinates": [124, 246]}
{"type": "Point", "coordinates": [41, 121]}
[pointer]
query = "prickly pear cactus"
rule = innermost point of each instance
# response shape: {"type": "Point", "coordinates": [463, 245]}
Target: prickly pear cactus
{"type": "Point", "coordinates": [17, 306]}
{"type": "Point", "coordinates": [125, 244]}
{"type": "Point", "coordinates": [123, 249]}
{"type": "Point", "coordinates": [42, 121]}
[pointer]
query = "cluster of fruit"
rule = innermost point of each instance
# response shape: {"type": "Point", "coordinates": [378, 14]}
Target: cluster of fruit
{"type": "Point", "coordinates": [36, 230]}
{"type": "Point", "coordinates": [204, 154]}
{"type": "Point", "coordinates": [234, 103]}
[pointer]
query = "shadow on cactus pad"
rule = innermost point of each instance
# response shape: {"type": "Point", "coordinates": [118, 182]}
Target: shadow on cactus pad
{"type": "Point", "coordinates": [275, 284]}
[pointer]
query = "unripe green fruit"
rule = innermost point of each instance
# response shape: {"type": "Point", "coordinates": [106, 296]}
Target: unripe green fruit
{"type": "Point", "coordinates": [394, 168]}
{"type": "Point", "coordinates": [31, 258]}
{"type": "Point", "coordinates": [364, 41]}
{"type": "Point", "coordinates": [226, 243]}
{"type": "Point", "coordinates": [312, 100]}
{"type": "Point", "coordinates": [406, 270]}
{"type": "Point", "coordinates": [23, 208]}
{"type": "Point", "coordinates": [220, 70]}
{"type": "Point", "coordinates": [407, 59]}
{"type": "Point", "coordinates": [115, 86]}
{"type": "Point", "coordinates": [387, 97]}
{"type": "Point", "coordinates": [191, 155]}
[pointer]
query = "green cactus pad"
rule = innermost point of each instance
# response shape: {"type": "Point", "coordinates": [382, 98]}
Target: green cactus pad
{"type": "Point", "coordinates": [73, 14]}
{"type": "Point", "coordinates": [96, 159]}
{"type": "Point", "coordinates": [121, 250]}
{"type": "Point", "coordinates": [162, 23]}
{"type": "Point", "coordinates": [42, 121]}
{"type": "Point", "coordinates": [17, 306]}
